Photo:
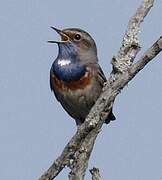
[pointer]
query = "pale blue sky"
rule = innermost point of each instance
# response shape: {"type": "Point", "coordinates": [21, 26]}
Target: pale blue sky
{"type": "Point", "coordinates": [33, 126]}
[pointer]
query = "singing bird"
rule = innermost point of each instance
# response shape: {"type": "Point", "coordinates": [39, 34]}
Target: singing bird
{"type": "Point", "coordinates": [76, 78]}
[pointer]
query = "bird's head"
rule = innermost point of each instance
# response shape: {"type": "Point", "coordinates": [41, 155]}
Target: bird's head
{"type": "Point", "coordinates": [76, 42]}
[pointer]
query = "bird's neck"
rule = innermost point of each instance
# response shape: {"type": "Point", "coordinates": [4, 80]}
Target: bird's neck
{"type": "Point", "coordinates": [67, 51]}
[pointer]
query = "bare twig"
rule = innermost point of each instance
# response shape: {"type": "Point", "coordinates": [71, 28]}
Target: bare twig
{"type": "Point", "coordinates": [77, 152]}
{"type": "Point", "coordinates": [80, 163]}
{"type": "Point", "coordinates": [147, 57]}
{"type": "Point", "coordinates": [95, 174]}
{"type": "Point", "coordinates": [130, 45]}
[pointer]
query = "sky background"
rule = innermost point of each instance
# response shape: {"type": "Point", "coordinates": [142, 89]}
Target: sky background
{"type": "Point", "coordinates": [34, 128]}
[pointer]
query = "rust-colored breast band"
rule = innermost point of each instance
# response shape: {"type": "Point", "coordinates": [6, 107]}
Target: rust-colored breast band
{"type": "Point", "coordinates": [72, 85]}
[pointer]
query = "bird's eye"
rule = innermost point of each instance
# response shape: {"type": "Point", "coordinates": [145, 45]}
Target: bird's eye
{"type": "Point", "coordinates": [77, 37]}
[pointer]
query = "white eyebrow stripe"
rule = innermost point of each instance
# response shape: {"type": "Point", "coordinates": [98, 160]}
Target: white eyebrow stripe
{"type": "Point", "coordinates": [64, 62]}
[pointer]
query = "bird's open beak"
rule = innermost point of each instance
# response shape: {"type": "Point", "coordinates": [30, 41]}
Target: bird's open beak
{"type": "Point", "coordinates": [64, 37]}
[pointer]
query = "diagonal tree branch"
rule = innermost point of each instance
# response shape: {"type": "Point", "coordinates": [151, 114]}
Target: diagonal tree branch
{"type": "Point", "coordinates": [77, 152]}
{"type": "Point", "coordinates": [147, 57]}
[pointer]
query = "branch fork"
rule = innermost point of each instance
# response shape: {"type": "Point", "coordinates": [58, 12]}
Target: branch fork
{"type": "Point", "coordinates": [77, 152]}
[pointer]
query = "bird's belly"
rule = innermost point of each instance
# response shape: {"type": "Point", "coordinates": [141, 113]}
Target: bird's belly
{"type": "Point", "coordinates": [78, 103]}
{"type": "Point", "coordinates": [77, 97]}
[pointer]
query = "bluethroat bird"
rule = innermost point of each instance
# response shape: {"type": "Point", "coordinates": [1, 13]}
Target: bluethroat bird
{"type": "Point", "coordinates": [76, 78]}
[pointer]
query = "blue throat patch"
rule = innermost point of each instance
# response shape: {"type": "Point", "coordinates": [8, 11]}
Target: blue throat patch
{"type": "Point", "coordinates": [67, 66]}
